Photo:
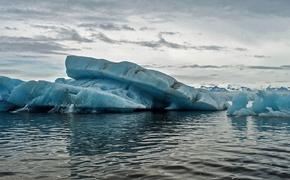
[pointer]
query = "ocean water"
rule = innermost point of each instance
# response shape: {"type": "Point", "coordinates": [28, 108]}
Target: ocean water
{"type": "Point", "coordinates": [145, 145]}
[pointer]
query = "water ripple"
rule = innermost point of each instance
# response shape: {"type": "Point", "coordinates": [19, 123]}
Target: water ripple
{"type": "Point", "coordinates": [173, 145]}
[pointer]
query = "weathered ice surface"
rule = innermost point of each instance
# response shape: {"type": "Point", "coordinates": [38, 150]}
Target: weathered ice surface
{"type": "Point", "coordinates": [163, 91]}
{"type": "Point", "coordinates": [264, 103]}
{"type": "Point", "coordinates": [101, 85]}
{"type": "Point", "coordinates": [6, 86]}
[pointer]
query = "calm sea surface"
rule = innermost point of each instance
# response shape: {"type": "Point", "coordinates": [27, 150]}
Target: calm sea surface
{"type": "Point", "coordinates": [173, 145]}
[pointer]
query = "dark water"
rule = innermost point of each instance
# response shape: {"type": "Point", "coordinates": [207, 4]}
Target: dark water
{"type": "Point", "coordinates": [174, 145]}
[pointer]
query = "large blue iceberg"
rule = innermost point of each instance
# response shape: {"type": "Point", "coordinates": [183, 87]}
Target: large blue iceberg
{"type": "Point", "coordinates": [98, 85]}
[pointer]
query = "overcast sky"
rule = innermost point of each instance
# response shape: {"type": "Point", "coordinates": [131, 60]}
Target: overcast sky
{"type": "Point", "coordinates": [36, 35]}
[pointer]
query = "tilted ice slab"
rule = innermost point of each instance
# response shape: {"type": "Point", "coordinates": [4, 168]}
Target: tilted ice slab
{"type": "Point", "coordinates": [163, 91]}
{"type": "Point", "coordinates": [101, 85]}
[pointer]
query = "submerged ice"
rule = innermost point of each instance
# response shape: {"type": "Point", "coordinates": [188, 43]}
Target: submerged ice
{"type": "Point", "coordinates": [101, 85]}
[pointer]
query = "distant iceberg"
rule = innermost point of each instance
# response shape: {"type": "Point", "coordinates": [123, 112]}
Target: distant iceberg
{"type": "Point", "coordinates": [99, 85]}
{"type": "Point", "coordinates": [274, 103]}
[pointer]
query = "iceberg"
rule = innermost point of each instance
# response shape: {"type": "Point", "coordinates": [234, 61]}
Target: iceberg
{"type": "Point", "coordinates": [163, 91]}
{"type": "Point", "coordinates": [6, 87]}
{"type": "Point", "coordinates": [101, 85]}
{"type": "Point", "coordinates": [47, 96]}
{"type": "Point", "coordinates": [265, 103]}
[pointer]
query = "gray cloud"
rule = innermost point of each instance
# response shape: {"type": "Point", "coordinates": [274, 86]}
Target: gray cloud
{"type": "Point", "coordinates": [201, 66]}
{"type": "Point", "coordinates": [167, 33]}
{"type": "Point", "coordinates": [28, 61]}
{"type": "Point", "coordinates": [45, 26]}
{"type": "Point", "coordinates": [32, 56]}
{"type": "Point", "coordinates": [241, 49]}
{"type": "Point", "coordinates": [63, 34]}
{"type": "Point", "coordinates": [17, 45]}
{"type": "Point", "coordinates": [10, 28]}
{"type": "Point", "coordinates": [261, 56]}
{"type": "Point", "coordinates": [157, 66]}
{"type": "Point", "coordinates": [161, 42]}
{"type": "Point", "coordinates": [114, 8]}
{"type": "Point", "coordinates": [24, 13]}
{"type": "Point", "coordinates": [71, 35]}
{"type": "Point", "coordinates": [144, 28]}
{"type": "Point", "coordinates": [268, 67]}
{"type": "Point", "coordinates": [29, 67]}
{"type": "Point", "coordinates": [221, 22]}
{"type": "Point", "coordinates": [104, 38]}
{"type": "Point", "coordinates": [30, 73]}
{"type": "Point", "coordinates": [107, 26]}
{"type": "Point", "coordinates": [115, 27]}
{"type": "Point", "coordinates": [284, 67]}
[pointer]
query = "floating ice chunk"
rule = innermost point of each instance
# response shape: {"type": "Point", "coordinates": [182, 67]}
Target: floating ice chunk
{"type": "Point", "coordinates": [265, 103]}
{"type": "Point", "coordinates": [243, 112]}
{"type": "Point", "coordinates": [239, 102]}
{"type": "Point", "coordinates": [163, 89]}
{"type": "Point", "coordinates": [43, 95]}
{"type": "Point", "coordinates": [101, 85]}
{"type": "Point", "coordinates": [275, 113]}
{"type": "Point", "coordinates": [6, 86]}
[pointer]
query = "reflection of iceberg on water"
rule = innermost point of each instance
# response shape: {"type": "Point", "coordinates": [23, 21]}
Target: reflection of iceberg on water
{"type": "Point", "coordinates": [101, 85]}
